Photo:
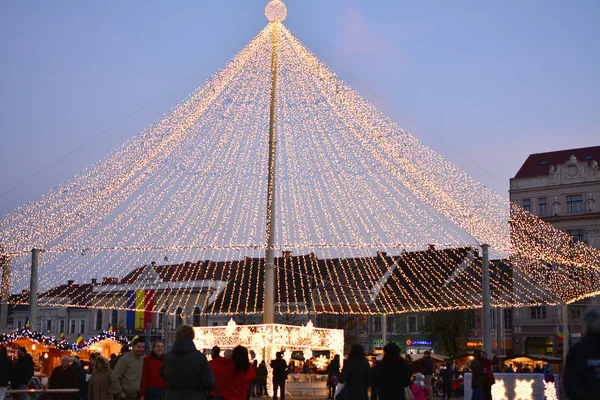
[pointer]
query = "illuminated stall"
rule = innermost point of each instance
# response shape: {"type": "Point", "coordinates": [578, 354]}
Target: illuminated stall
{"type": "Point", "coordinates": [263, 341]}
{"type": "Point", "coordinates": [46, 351]}
{"type": "Point", "coordinates": [106, 343]}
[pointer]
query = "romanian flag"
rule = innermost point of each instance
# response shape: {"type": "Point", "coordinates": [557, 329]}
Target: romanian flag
{"type": "Point", "coordinates": [62, 337]}
{"type": "Point", "coordinates": [79, 340]}
{"type": "Point", "coordinates": [111, 329]}
{"type": "Point", "coordinates": [135, 337]}
{"type": "Point", "coordinates": [27, 323]}
{"type": "Point", "coordinates": [560, 333]}
{"type": "Point", "coordinates": [140, 303]}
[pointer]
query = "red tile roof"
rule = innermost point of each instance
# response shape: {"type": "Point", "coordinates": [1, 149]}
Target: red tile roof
{"type": "Point", "coordinates": [535, 165]}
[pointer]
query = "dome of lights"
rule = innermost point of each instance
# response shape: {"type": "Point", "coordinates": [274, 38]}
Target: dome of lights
{"type": "Point", "coordinates": [276, 11]}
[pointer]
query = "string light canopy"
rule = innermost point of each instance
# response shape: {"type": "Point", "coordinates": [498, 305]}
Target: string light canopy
{"type": "Point", "coordinates": [191, 189]}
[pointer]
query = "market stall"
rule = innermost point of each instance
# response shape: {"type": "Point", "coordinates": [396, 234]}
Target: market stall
{"type": "Point", "coordinates": [106, 343]}
{"type": "Point", "coordinates": [529, 363]}
{"type": "Point", "coordinates": [438, 361]}
{"type": "Point", "coordinates": [46, 351]}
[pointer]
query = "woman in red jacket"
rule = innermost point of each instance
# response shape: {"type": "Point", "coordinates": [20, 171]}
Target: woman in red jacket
{"type": "Point", "coordinates": [236, 375]}
{"type": "Point", "coordinates": [153, 386]}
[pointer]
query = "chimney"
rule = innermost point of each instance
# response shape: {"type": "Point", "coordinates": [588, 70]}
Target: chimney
{"type": "Point", "coordinates": [431, 247]}
{"type": "Point", "coordinates": [94, 281]}
{"type": "Point", "coordinates": [70, 282]}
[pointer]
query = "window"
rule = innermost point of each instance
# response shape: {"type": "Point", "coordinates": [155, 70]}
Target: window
{"type": "Point", "coordinates": [178, 317]}
{"type": "Point", "coordinates": [390, 324]}
{"type": "Point", "coordinates": [82, 326]}
{"type": "Point", "coordinates": [62, 326]}
{"type": "Point", "coordinates": [412, 324]}
{"type": "Point", "coordinates": [376, 324]}
{"type": "Point", "coordinates": [542, 207]}
{"type": "Point", "coordinates": [19, 324]}
{"type": "Point", "coordinates": [575, 204]}
{"type": "Point", "coordinates": [576, 235]}
{"type": "Point", "coordinates": [114, 318]}
{"type": "Point", "coordinates": [527, 205]}
{"type": "Point", "coordinates": [508, 318]}
{"type": "Point", "coordinates": [537, 312]}
{"type": "Point", "coordinates": [49, 325]}
{"type": "Point", "coordinates": [72, 331]}
{"type": "Point", "coordinates": [99, 320]}
{"type": "Point", "coordinates": [215, 324]}
{"type": "Point", "coordinates": [363, 323]}
{"type": "Point", "coordinates": [196, 317]}
{"type": "Point", "coordinates": [351, 324]}
{"type": "Point", "coordinates": [576, 312]}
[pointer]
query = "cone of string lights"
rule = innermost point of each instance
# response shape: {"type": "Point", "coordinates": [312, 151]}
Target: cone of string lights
{"type": "Point", "coordinates": [276, 164]}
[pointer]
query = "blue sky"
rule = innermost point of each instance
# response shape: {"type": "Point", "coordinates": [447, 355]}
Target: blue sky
{"type": "Point", "coordinates": [494, 80]}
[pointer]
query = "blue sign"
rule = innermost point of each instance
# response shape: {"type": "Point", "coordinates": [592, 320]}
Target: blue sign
{"type": "Point", "coordinates": [422, 343]}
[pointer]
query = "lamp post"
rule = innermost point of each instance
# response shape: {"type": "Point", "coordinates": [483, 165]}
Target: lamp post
{"type": "Point", "coordinates": [487, 334]}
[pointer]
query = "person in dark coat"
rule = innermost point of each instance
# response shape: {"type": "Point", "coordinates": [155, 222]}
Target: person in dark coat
{"type": "Point", "coordinates": [356, 374]}
{"type": "Point", "coordinates": [390, 376]}
{"type": "Point", "coordinates": [261, 378]}
{"type": "Point", "coordinates": [333, 375]}
{"type": "Point", "coordinates": [6, 369]}
{"type": "Point", "coordinates": [582, 376]}
{"type": "Point", "coordinates": [64, 377]}
{"type": "Point", "coordinates": [447, 375]}
{"type": "Point", "coordinates": [22, 372]}
{"type": "Point", "coordinates": [428, 370]}
{"type": "Point", "coordinates": [478, 376]}
{"type": "Point", "coordinates": [280, 369]}
{"type": "Point", "coordinates": [185, 369]}
{"type": "Point", "coordinates": [83, 385]}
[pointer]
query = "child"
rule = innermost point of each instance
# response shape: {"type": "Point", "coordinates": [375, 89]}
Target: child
{"type": "Point", "coordinates": [418, 388]}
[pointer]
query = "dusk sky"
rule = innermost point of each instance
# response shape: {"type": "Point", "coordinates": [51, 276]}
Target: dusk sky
{"type": "Point", "coordinates": [484, 83]}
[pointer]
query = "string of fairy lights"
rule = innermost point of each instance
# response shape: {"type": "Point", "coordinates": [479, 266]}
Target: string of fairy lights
{"type": "Point", "coordinates": [359, 203]}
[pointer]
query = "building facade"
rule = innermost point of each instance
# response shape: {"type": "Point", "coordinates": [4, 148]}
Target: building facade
{"type": "Point", "coordinates": [562, 188]}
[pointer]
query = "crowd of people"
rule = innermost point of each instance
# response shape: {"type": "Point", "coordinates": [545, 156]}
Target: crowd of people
{"type": "Point", "coordinates": [185, 373]}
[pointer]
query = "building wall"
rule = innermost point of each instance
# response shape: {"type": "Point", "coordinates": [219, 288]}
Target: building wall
{"type": "Point", "coordinates": [560, 191]}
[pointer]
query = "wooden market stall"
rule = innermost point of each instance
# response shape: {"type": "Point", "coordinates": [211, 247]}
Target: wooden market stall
{"type": "Point", "coordinates": [45, 356]}
{"type": "Point", "coordinates": [438, 361]}
{"type": "Point", "coordinates": [532, 361]}
{"type": "Point", "coordinates": [105, 347]}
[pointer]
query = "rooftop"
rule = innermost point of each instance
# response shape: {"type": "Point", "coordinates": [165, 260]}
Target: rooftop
{"type": "Point", "coordinates": [539, 164]}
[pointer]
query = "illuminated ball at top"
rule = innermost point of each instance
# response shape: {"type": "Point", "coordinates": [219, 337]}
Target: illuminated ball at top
{"type": "Point", "coordinates": [276, 11]}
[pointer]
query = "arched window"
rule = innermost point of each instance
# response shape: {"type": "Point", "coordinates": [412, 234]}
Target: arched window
{"type": "Point", "coordinates": [99, 320]}
{"type": "Point", "coordinates": [178, 317]}
{"type": "Point", "coordinates": [196, 317]}
{"type": "Point", "coordinates": [114, 319]}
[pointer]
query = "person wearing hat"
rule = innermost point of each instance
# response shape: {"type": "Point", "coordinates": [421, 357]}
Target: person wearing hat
{"type": "Point", "coordinates": [419, 390]}
{"type": "Point", "coordinates": [582, 369]}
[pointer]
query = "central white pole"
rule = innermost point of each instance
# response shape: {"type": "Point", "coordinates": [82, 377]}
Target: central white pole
{"type": "Point", "coordinates": [269, 294]}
